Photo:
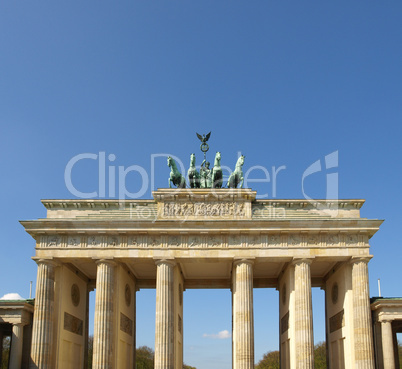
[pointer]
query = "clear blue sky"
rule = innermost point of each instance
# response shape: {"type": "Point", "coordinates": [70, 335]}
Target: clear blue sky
{"type": "Point", "coordinates": [284, 82]}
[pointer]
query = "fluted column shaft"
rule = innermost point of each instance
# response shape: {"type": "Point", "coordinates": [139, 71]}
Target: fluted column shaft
{"type": "Point", "coordinates": [363, 334]}
{"type": "Point", "coordinates": [243, 315]}
{"type": "Point", "coordinates": [16, 346]}
{"type": "Point", "coordinates": [164, 320]}
{"type": "Point", "coordinates": [103, 350]}
{"type": "Point", "coordinates": [304, 340]}
{"type": "Point", "coordinates": [387, 344]}
{"type": "Point", "coordinates": [42, 345]}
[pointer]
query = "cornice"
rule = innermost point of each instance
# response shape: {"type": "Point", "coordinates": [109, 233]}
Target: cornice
{"type": "Point", "coordinates": [92, 203]}
{"type": "Point", "coordinates": [280, 225]}
{"type": "Point", "coordinates": [303, 203]}
{"type": "Point", "coordinates": [198, 195]}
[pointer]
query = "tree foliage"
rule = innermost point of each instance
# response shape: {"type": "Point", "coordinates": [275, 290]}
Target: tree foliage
{"type": "Point", "coordinates": [271, 359]}
{"type": "Point", "coordinates": [6, 352]}
{"type": "Point", "coordinates": [90, 350]}
{"type": "Point", "coordinates": [144, 357]}
{"type": "Point", "coordinates": [320, 356]}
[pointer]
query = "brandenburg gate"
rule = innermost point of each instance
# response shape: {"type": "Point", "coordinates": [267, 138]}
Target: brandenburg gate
{"type": "Point", "coordinates": [199, 238]}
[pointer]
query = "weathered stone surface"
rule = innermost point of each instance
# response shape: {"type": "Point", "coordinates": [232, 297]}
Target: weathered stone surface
{"type": "Point", "coordinates": [42, 347]}
{"type": "Point", "coordinates": [303, 315]}
{"type": "Point", "coordinates": [243, 315]}
{"type": "Point", "coordinates": [103, 354]}
{"type": "Point", "coordinates": [364, 352]}
{"type": "Point", "coordinates": [164, 322]}
{"type": "Point", "coordinates": [204, 232]}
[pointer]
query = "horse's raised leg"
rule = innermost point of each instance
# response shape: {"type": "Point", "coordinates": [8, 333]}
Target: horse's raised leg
{"type": "Point", "coordinates": [170, 182]}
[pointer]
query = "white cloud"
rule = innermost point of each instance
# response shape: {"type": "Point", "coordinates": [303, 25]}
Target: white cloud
{"type": "Point", "coordinates": [222, 335]}
{"type": "Point", "coordinates": [11, 296]}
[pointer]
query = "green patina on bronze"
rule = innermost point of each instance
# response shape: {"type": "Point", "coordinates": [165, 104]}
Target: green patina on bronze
{"type": "Point", "coordinates": [204, 146]}
{"type": "Point", "coordinates": [217, 178]}
{"type": "Point", "coordinates": [175, 176]}
{"type": "Point", "coordinates": [192, 174]}
{"type": "Point", "coordinates": [237, 176]}
{"type": "Point", "coordinates": [206, 177]}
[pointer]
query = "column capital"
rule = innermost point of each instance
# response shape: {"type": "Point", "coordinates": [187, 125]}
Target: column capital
{"type": "Point", "coordinates": [109, 261]}
{"type": "Point", "coordinates": [20, 324]}
{"type": "Point", "coordinates": [386, 320]}
{"type": "Point", "coordinates": [166, 261]}
{"type": "Point", "coordinates": [307, 260]}
{"type": "Point", "coordinates": [237, 261]}
{"type": "Point", "coordinates": [358, 259]}
{"type": "Point", "coordinates": [45, 261]}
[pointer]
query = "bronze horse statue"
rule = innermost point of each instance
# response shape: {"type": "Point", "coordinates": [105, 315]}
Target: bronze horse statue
{"type": "Point", "coordinates": [217, 178]}
{"type": "Point", "coordinates": [192, 174]}
{"type": "Point", "coordinates": [175, 176]}
{"type": "Point", "coordinates": [237, 176]}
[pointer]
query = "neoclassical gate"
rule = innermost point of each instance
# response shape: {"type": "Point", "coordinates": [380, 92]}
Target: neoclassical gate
{"type": "Point", "coordinates": [199, 238]}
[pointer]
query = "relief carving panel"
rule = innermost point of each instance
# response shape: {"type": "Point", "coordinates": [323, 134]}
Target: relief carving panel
{"type": "Point", "coordinates": [337, 321]}
{"type": "Point", "coordinates": [210, 209]}
{"type": "Point", "coordinates": [126, 324]}
{"type": "Point", "coordinates": [285, 323]}
{"type": "Point", "coordinates": [73, 324]}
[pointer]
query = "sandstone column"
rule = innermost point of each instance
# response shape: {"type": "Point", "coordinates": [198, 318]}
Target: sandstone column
{"type": "Point", "coordinates": [164, 320]}
{"type": "Point", "coordinates": [16, 346]}
{"type": "Point", "coordinates": [42, 345]}
{"type": "Point", "coordinates": [387, 345]}
{"type": "Point", "coordinates": [103, 350]}
{"type": "Point", "coordinates": [363, 334]}
{"type": "Point", "coordinates": [304, 341]}
{"type": "Point", "coordinates": [243, 315]}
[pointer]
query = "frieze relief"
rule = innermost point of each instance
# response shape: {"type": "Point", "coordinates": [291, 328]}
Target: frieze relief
{"type": "Point", "coordinates": [351, 239]}
{"type": "Point", "coordinates": [222, 240]}
{"type": "Point", "coordinates": [294, 240]}
{"type": "Point", "coordinates": [154, 241]}
{"type": "Point", "coordinates": [332, 240]}
{"type": "Point", "coordinates": [254, 241]}
{"type": "Point", "coordinates": [113, 242]}
{"type": "Point", "coordinates": [174, 241]}
{"type": "Point", "coordinates": [74, 242]}
{"type": "Point", "coordinates": [235, 241]}
{"type": "Point", "coordinates": [202, 209]}
{"type": "Point", "coordinates": [53, 241]}
{"type": "Point", "coordinates": [313, 240]}
{"type": "Point", "coordinates": [214, 241]}
{"type": "Point", "coordinates": [274, 240]}
{"type": "Point", "coordinates": [194, 241]}
{"type": "Point", "coordinates": [136, 242]}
